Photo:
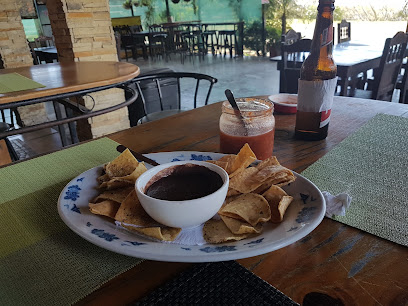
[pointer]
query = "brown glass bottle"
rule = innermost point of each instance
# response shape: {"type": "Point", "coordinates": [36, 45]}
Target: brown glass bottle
{"type": "Point", "coordinates": [317, 79]}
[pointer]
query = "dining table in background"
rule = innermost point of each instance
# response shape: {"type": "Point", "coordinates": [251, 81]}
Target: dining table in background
{"type": "Point", "coordinates": [352, 59]}
{"type": "Point", "coordinates": [334, 261]}
{"type": "Point", "coordinates": [66, 80]}
{"type": "Point", "coordinates": [46, 54]}
{"type": "Point", "coordinates": [306, 266]}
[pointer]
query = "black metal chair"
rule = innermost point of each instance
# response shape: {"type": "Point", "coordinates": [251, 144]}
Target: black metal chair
{"type": "Point", "coordinates": [133, 42]}
{"type": "Point", "coordinates": [293, 56]}
{"type": "Point", "coordinates": [8, 123]}
{"type": "Point", "coordinates": [385, 77]}
{"type": "Point", "coordinates": [210, 38]}
{"type": "Point", "coordinates": [160, 94]}
{"type": "Point", "coordinates": [227, 40]}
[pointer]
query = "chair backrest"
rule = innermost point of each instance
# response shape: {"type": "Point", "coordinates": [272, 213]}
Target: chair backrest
{"type": "Point", "coordinates": [290, 37]}
{"type": "Point", "coordinates": [44, 41]}
{"type": "Point", "coordinates": [343, 31]}
{"type": "Point", "coordinates": [122, 30]}
{"type": "Point", "coordinates": [167, 90]}
{"type": "Point", "coordinates": [292, 59]}
{"type": "Point", "coordinates": [385, 78]}
{"type": "Point", "coordinates": [136, 28]}
{"type": "Point", "coordinates": [155, 28]}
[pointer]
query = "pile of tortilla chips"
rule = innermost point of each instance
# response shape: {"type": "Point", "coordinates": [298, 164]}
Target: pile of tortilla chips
{"type": "Point", "coordinates": [254, 197]}
{"type": "Point", "coordinates": [118, 199]}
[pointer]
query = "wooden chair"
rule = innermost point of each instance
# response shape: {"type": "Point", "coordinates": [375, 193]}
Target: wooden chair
{"type": "Point", "coordinates": [385, 77]}
{"type": "Point", "coordinates": [343, 31]}
{"type": "Point", "coordinates": [160, 94]}
{"type": "Point", "coordinates": [402, 85]}
{"type": "Point", "coordinates": [293, 56]}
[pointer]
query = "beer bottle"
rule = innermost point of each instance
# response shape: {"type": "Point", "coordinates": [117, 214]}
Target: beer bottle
{"type": "Point", "coordinates": [317, 79]}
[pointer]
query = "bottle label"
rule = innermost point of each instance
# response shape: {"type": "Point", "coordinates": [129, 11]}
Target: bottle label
{"type": "Point", "coordinates": [327, 36]}
{"type": "Point", "coordinates": [317, 97]}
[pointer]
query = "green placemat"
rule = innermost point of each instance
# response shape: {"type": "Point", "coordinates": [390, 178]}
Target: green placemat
{"type": "Point", "coordinates": [42, 262]}
{"type": "Point", "coordinates": [10, 82]}
{"type": "Point", "coordinates": [371, 166]}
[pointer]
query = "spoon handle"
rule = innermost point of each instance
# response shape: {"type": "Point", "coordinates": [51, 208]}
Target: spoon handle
{"type": "Point", "coordinates": [231, 99]}
{"type": "Point", "coordinates": [237, 112]}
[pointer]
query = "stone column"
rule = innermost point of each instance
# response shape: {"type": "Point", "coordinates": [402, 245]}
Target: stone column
{"type": "Point", "coordinates": [83, 32]}
{"type": "Point", "coordinates": [15, 52]}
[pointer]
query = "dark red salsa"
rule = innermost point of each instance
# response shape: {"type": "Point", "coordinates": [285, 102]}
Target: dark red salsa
{"type": "Point", "coordinates": [183, 182]}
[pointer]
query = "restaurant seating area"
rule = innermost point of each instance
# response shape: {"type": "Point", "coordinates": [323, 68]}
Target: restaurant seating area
{"type": "Point", "coordinates": [153, 162]}
{"type": "Point", "coordinates": [363, 70]}
{"type": "Point", "coordinates": [184, 38]}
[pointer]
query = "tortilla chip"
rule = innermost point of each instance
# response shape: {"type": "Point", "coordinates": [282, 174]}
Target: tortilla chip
{"type": "Point", "coordinates": [278, 201]}
{"type": "Point", "coordinates": [243, 182]}
{"type": "Point", "coordinates": [160, 233]}
{"type": "Point", "coordinates": [271, 161]}
{"type": "Point", "coordinates": [232, 192]}
{"type": "Point", "coordinates": [132, 212]}
{"type": "Point", "coordinates": [103, 178]}
{"type": "Point", "coordinates": [250, 207]}
{"type": "Point", "coordinates": [215, 231]}
{"type": "Point", "coordinates": [105, 208]}
{"type": "Point", "coordinates": [258, 179]}
{"type": "Point", "coordinates": [244, 158]}
{"type": "Point", "coordinates": [122, 165]}
{"type": "Point", "coordinates": [241, 227]}
{"type": "Point", "coordinates": [220, 163]}
{"type": "Point", "coordinates": [117, 195]}
{"type": "Point", "coordinates": [115, 183]}
{"type": "Point", "coordinates": [141, 168]}
{"type": "Point", "coordinates": [279, 211]}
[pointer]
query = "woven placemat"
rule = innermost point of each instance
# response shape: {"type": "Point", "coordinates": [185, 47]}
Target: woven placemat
{"type": "Point", "coordinates": [219, 283]}
{"type": "Point", "coordinates": [42, 262]}
{"type": "Point", "coordinates": [11, 82]}
{"type": "Point", "coordinates": [371, 166]}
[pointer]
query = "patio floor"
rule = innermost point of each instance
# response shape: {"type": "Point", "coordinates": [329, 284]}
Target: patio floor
{"type": "Point", "coordinates": [245, 76]}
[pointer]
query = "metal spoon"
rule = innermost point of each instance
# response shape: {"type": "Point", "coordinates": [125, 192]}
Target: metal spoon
{"type": "Point", "coordinates": [231, 100]}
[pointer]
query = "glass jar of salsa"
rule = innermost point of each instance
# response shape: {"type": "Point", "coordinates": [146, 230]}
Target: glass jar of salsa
{"type": "Point", "coordinates": [257, 128]}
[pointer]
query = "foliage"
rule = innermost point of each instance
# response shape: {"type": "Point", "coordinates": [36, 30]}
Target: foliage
{"type": "Point", "coordinates": [277, 12]}
{"type": "Point", "coordinates": [127, 4]}
{"type": "Point", "coordinates": [372, 13]}
{"type": "Point", "coordinates": [253, 36]}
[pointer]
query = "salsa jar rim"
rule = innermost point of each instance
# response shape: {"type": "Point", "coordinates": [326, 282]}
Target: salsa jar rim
{"type": "Point", "coordinates": [266, 107]}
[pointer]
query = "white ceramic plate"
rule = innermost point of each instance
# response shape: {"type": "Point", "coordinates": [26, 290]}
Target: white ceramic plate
{"type": "Point", "coordinates": [303, 215]}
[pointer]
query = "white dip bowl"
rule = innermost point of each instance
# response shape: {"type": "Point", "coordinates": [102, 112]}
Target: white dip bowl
{"type": "Point", "coordinates": [185, 213]}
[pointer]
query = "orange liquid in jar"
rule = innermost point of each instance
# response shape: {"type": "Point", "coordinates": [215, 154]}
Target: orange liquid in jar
{"type": "Point", "coordinates": [262, 144]}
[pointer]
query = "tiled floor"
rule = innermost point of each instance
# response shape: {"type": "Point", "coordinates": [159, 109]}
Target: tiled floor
{"type": "Point", "coordinates": [246, 76]}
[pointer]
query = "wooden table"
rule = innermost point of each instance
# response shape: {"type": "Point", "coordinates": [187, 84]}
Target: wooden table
{"type": "Point", "coordinates": [306, 266]}
{"type": "Point", "coordinates": [64, 80]}
{"type": "Point", "coordinates": [351, 59]}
